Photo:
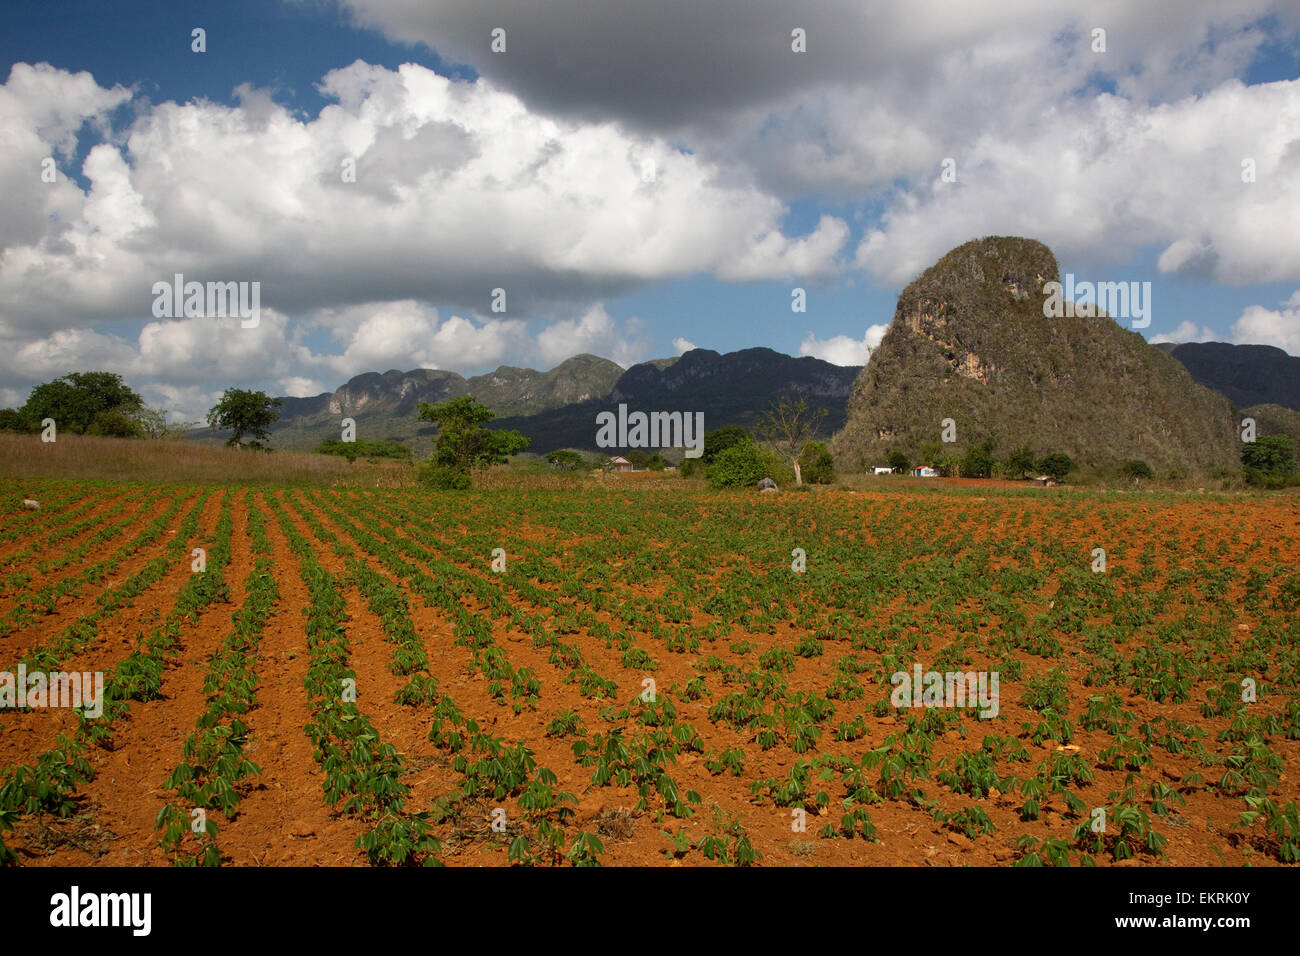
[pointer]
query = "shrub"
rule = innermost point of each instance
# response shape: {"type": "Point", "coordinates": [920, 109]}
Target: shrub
{"type": "Point", "coordinates": [738, 466]}
{"type": "Point", "coordinates": [816, 464]}
{"type": "Point", "coordinates": [352, 450]}
{"type": "Point", "coordinates": [444, 477]}
{"type": "Point", "coordinates": [1270, 479]}
{"type": "Point", "coordinates": [565, 460]}
{"type": "Point", "coordinates": [1137, 469]}
{"type": "Point", "coordinates": [1056, 466]}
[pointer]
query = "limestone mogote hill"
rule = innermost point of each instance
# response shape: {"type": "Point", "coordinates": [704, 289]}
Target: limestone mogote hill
{"type": "Point", "coordinates": [969, 341]}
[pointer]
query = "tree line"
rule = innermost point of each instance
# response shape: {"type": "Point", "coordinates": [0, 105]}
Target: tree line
{"type": "Point", "coordinates": [100, 403]}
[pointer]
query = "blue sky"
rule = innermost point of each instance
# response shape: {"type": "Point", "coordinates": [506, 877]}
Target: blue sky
{"type": "Point", "coordinates": [818, 170]}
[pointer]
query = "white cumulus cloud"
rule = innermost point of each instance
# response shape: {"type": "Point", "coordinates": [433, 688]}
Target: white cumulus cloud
{"type": "Point", "coordinates": [595, 332]}
{"type": "Point", "coordinates": [1281, 327]}
{"type": "Point", "coordinates": [1187, 331]}
{"type": "Point", "coordinates": [842, 349]}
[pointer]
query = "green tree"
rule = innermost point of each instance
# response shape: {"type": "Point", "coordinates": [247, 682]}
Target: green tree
{"type": "Point", "coordinates": [243, 412]}
{"type": "Point", "coordinates": [817, 464]}
{"type": "Point", "coordinates": [978, 461]}
{"type": "Point", "coordinates": [78, 398]}
{"type": "Point", "coordinates": [565, 460]}
{"type": "Point", "coordinates": [656, 462]}
{"type": "Point", "coordinates": [720, 439]}
{"type": "Point", "coordinates": [947, 465]}
{"type": "Point", "coordinates": [1271, 454]}
{"type": "Point", "coordinates": [1056, 466]}
{"type": "Point", "coordinates": [1269, 460]}
{"type": "Point", "coordinates": [114, 423]}
{"type": "Point", "coordinates": [12, 420]}
{"type": "Point", "coordinates": [637, 457]}
{"type": "Point", "coordinates": [898, 461]}
{"type": "Point", "coordinates": [1019, 462]}
{"type": "Point", "coordinates": [463, 443]}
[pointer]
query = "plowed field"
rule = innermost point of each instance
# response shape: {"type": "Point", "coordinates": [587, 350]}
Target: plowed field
{"type": "Point", "coordinates": [650, 677]}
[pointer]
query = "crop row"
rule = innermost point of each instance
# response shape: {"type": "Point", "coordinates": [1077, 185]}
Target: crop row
{"type": "Point", "coordinates": [213, 764]}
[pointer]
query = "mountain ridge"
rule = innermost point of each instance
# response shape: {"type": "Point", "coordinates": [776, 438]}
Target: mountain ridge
{"type": "Point", "coordinates": [385, 404]}
{"type": "Point", "coordinates": [557, 409]}
{"type": "Point", "coordinates": [1247, 374]}
{"type": "Point", "coordinates": [731, 388]}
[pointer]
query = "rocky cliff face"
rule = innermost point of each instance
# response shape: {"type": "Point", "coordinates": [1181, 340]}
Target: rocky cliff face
{"type": "Point", "coordinates": [390, 391]}
{"type": "Point", "coordinates": [970, 342]}
{"type": "Point", "coordinates": [506, 391]}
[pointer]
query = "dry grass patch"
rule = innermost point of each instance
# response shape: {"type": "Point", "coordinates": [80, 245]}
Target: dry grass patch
{"type": "Point", "coordinates": [127, 459]}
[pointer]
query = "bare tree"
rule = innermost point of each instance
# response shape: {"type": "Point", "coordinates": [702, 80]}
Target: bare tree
{"type": "Point", "coordinates": [789, 425]}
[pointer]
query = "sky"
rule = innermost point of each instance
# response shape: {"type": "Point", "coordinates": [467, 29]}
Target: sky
{"type": "Point", "coordinates": [462, 184]}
